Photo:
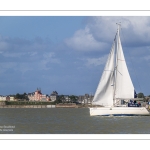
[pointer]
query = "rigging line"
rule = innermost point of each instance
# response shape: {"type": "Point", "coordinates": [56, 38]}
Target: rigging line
{"type": "Point", "coordinates": [132, 64]}
{"type": "Point", "coordinates": [119, 72]}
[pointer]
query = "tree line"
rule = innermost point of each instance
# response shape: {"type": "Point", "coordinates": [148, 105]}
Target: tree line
{"type": "Point", "coordinates": [23, 96]}
{"type": "Point", "coordinates": [71, 99]}
{"type": "Point", "coordinates": [141, 95]}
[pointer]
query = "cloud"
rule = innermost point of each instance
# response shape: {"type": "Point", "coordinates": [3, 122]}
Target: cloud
{"type": "Point", "coordinates": [147, 58]}
{"type": "Point", "coordinates": [84, 40]}
{"type": "Point", "coordinates": [6, 66]}
{"type": "Point", "coordinates": [25, 55]}
{"type": "Point", "coordinates": [48, 60]}
{"type": "Point", "coordinates": [49, 55]}
{"type": "Point", "coordinates": [99, 33]}
{"type": "Point", "coordinates": [96, 61]}
{"type": "Point", "coordinates": [8, 54]}
{"type": "Point", "coordinates": [32, 53]}
{"type": "Point", "coordinates": [3, 45]}
{"type": "Point", "coordinates": [20, 44]}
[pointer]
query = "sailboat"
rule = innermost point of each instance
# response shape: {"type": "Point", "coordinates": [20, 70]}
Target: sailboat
{"type": "Point", "coordinates": [115, 89]}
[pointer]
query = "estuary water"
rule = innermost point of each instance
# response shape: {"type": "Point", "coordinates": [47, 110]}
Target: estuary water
{"type": "Point", "coordinates": [68, 121]}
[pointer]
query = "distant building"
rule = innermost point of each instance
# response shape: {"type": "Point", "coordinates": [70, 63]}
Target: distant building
{"type": "Point", "coordinates": [91, 98]}
{"type": "Point", "coordinates": [2, 98]}
{"type": "Point", "coordinates": [31, 96]}
{"type": "Point", "coordinates": [53, 96]}
{"type": "Point", "coordinates": [147, 98]}
{"type": "Point", "coordinates": [7, 98]}
{"type": "Point", "coordinates": [85, 99]}
{"type": "Point", "coordinates": [66, 98]}
{"type": "Point", "coordinates": [12, 98]}
{"type": "Point", "coordinates": [38, 96]}
{"type": "Point", "coordinates": [81, 99]}
{"type": "Point", "coordinates": [45, 98]}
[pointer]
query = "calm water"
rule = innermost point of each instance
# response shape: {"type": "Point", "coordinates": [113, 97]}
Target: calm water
{"type": "Point", "coordinates": [68, 121]}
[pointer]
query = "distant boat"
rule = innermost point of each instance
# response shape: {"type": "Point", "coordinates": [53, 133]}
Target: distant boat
{"type": "Point", "coordinates": [115, 86]}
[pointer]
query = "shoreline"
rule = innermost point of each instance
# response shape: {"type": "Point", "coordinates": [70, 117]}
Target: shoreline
{"type": "Point", "coordinates": [46, 106]}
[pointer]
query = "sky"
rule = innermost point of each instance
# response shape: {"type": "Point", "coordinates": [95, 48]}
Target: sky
{"type": "Point", "coordinates": [67, 54]}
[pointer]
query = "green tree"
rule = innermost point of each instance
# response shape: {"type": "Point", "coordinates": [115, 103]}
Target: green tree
{"type": "Point", "coordinates": [62, 98]}
{"type": "Point", "coordinates": [57, 101]}
{"type": "Point", "coordinates": [141, 95]}
{"type": "Point", "coordinates": [73, 98]}
{"type": "Point", "coordinates": [21, 96]}
{"type": "Point", "coordinates": [17, 96]}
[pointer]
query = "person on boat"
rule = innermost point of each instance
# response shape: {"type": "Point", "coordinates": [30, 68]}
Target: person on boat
{"type": "Point", "coordinates": [135, 95]}
{"type": "Point", "coordinates": [139, 104]}
{"type": "Point", "coordinates": [131, 101]}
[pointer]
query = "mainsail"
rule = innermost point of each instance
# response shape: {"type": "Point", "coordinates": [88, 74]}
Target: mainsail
{"type": "Point", "coordinates": [104, 92]}
{"type": "Point", "coordinates": [115, 82]}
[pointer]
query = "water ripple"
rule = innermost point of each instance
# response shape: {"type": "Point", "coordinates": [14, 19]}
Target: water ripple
{"type": "Point", "coordinates": [70, 121]}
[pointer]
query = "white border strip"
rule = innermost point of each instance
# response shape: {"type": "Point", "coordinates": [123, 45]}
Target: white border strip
{"type": "Point", "coordinates": [74, 13]}
{"type": "Point", "coordinates": [74, 4]}
{"type": "Point", "coordinates": [75, 137]}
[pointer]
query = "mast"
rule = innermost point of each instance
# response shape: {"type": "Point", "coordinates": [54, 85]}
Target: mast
{"type": "Point", "coordinates": [116, 60]}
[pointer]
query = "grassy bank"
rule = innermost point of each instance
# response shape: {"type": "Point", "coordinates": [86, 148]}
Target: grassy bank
{"type": "Point", "coordinates": [26, 103]}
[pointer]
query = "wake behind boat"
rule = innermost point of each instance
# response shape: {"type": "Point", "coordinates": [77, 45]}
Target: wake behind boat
{"type": "Point", "coordinates": [115, 88]}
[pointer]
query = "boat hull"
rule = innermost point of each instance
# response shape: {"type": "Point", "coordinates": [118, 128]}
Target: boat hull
{"type": "Point", "coordinates": [119, 111]}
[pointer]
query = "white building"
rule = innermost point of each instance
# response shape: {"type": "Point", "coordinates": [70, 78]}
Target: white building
{"type": "Point", "coordinates": [2, 98]}
{"type": "Point", "coordinates": [53, 96]}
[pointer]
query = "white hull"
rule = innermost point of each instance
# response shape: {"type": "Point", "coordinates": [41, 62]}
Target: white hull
{"type": "Point", "coordinates": [127, 111]}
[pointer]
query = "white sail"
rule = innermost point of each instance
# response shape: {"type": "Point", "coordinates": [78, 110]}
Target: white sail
{"type": "Point", "coordinates": [115, 82]}
{"type": "Point", "coordinates": [104, 92]}
{"type": "Point", "coordinates": [124, 88]}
